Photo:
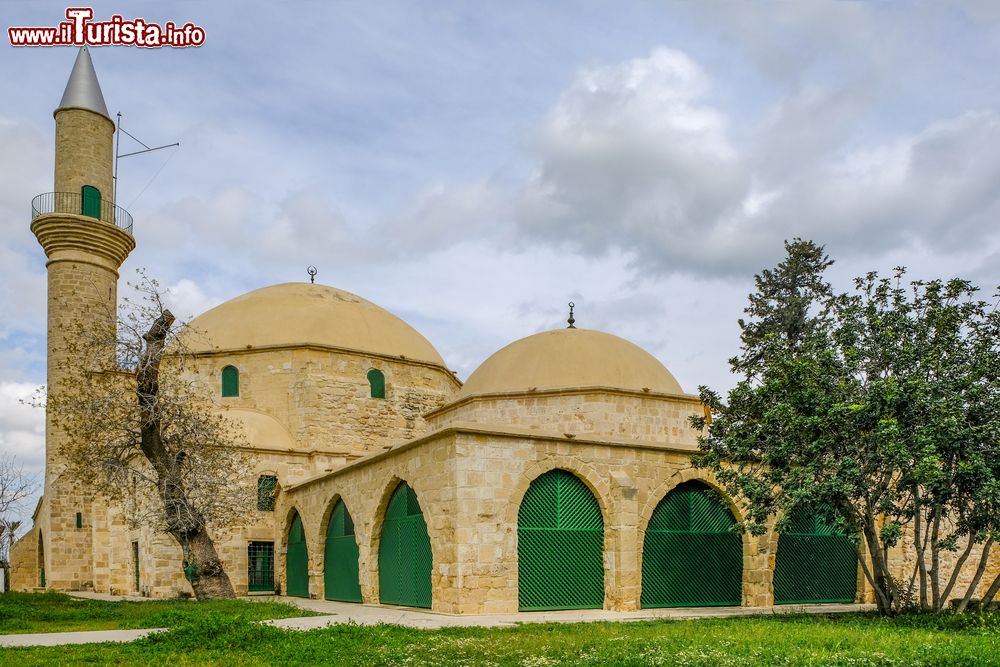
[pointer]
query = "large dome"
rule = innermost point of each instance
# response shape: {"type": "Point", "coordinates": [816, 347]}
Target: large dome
{"type": "Point", "coordinates": [569, 359]}
{"type": "Point", "coordinates": [294, 314]}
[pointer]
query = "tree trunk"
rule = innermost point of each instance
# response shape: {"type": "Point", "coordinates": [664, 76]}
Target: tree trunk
{"type": "Point", "coordinates": [184, 521]}
{"type": "Point", "coordinates": [886, 596]}
{"type": "Point", "coordinates": [210, 579]}
{"type": "Point", "coordinates": [980, 571]}
{"type": "Point", "coordinates": [955, 572]}
{"type": "Point", "coordinates": [991, 593]}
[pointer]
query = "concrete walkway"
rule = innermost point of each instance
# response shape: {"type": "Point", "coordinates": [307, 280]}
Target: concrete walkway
{"type": "Point", "coordinates": [365, 614]}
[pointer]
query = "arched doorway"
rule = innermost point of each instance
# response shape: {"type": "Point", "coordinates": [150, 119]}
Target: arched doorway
{"type": "Point", "coordinates": [404, 552]}
{"type": "Point", "coordinates": [41, 561]}
{"type": "Point", "coordinates": [340, 558]}
{"type": "Point", "coordinates": [814, 563]}
{"type": "Point", "coordinates": [560, 545]}
{"type": "Point", "coordinates": [692, 556]}
{"type": "Point", "coordinates": [297, 560]}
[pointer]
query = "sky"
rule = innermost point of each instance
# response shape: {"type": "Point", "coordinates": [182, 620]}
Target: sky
{"type": "Point", "coordinates": [472, 167]}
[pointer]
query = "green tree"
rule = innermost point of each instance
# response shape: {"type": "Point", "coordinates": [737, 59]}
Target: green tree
{"type": "Point", "coordinates": [878, 409]}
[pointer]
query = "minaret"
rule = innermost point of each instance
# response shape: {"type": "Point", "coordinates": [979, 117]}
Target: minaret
{"type": "Point", "coordinates": [86, 237]}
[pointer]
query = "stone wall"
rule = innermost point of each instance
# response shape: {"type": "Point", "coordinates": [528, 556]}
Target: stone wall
{"type": "Point", "coordinates": [470, 482]}
{"type": "Point", "coordinates": [604, 413]}
{"type": "Point", "coordinates": [322, 396]}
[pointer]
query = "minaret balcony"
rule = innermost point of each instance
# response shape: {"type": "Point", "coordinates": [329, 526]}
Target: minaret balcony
{"type": "Point", "coordinates": [76, 203]}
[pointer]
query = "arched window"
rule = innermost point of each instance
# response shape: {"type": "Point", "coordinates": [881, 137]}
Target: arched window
{"type": "Point", "coordinates": [230, 381]}
{"type": "Point", "coordinates": [377, 381]}
{"type": "Point", "coordinates": [90, 201]}
{"type": "Point", "coordinates": [267, 487]}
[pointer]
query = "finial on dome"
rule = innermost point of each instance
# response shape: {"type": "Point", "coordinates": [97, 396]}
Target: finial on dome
{"type": "Point", "coordinates": [312, 274]}
{"type": "Point", "coordinates": [571, 320]}
{"type": "Point", "coordinates": [83, 90]}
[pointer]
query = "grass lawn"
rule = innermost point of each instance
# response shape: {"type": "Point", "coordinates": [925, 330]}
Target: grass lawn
{"type": "Point", "coordinates": [57, 612]}
{"type": "Point", "coordinates": [859, 640]}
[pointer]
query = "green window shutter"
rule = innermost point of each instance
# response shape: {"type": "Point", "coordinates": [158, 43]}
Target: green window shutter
{"type": "Point", "coordinates": [692, 556]}
{"type": "Point", "coordinates": [404, 553]}
{"type": "Point", "coordinates": [79, 520]}
{"type": "Point", "coordinates": [560, 545]}
{"type": "Point", "coordinates": [376, 379]}
{"type": "Point", "coordinates": [814, 563]}
{"type": "Point", "coordinates": [267, 485]}
{"type": "Point", "coordinates": [340, 558]}
{"type": "Point", "coordinates": [260, 567]}
{"type": "Point", "coordinates": [230, 381]}
{"type": "Point", "coordinates": [90, 201]}
{"type": "Point", "coordinates": [297, 560]}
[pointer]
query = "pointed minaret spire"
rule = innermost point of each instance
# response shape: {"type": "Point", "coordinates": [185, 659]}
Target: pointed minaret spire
{"type": "Point", "coordinates": [83, 90]}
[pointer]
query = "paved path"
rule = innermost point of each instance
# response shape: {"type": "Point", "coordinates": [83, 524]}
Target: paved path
{"type": "Point", "coordinates": [89, 637]}
{"type": "Point", "coordinates": [365, 614]}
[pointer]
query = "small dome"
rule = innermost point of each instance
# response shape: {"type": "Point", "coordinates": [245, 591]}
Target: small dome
{"type": "Point", "coordinates": [569, 359]}
{"type": "Point", "coordinates": [260, 429]}
{"type": "Point", "coordinates": [297, 314]}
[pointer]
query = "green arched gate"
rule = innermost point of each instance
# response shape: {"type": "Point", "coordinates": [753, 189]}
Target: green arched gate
{"type": "Point", "coordinates": [814, 563]}
{"type": "Point", "coordinates": [560, 545]}
{"type": "Point", "coordinates": [404, 552]}
{"type": "Point", "coordinates": [297, 560]}
{"type": "Point", "coordinates": [340, 558]}
{"type": "Point", "coordinates": [691, 555]}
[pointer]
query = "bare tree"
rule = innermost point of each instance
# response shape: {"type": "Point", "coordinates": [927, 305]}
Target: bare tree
{"type": "Point", "coordinates": [15, 487]}
{"type": "Point", "coordinates": [146, 435]}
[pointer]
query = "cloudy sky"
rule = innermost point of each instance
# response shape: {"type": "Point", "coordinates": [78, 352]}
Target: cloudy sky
{"type": "Point", "coordinates": [474, 166]}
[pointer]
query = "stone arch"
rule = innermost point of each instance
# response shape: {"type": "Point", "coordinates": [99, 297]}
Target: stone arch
{"type": "Point", "coordinates": [377, 543]}
{"type": "Point", "coordinates": [324, 547]}
{"type": "Point", "coordinates": [599, 490]}
{"type": "Point", "coordinates": [598, 485]}
{"type": "Point", "coordinates": [706, 477]}
{"type": "Point", "coordinates": [40, 558]}
{"type": "Point", "coordinates": [291, 516]}
{"type": "Point", "coordinates": [769, 551]}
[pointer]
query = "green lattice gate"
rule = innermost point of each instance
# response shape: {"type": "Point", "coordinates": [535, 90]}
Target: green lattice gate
{"type": "Point", "coordinates": [814, 563]}
{"type": "Point", "coordinates": [340, 558]}
{"type": "Point", "coordinates": [297, 560]}
{"type": "Point", "coordinates": [404, 552]}
{"type": "Point", "coordinates": [691, 556]}
{"type": "Point", "coordinates": [560, 545]}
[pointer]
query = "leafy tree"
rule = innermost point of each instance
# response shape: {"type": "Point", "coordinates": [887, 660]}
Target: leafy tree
{"type": "Point", "coordinates": [879, 409]}
{"type": "Point", "coordinates": [146, 435]}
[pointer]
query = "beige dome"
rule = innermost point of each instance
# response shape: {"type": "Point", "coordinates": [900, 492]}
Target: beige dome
{"type": "Point", "coordinates": [303, 314]}
{"type": "Point", "coordinates": [568, 359]}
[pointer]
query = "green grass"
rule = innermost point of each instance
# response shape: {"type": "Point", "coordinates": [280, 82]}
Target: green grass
{"type": "Point", "coordinates": [57, 612]}
{"type": "Point", "coordinates": [855, 640]}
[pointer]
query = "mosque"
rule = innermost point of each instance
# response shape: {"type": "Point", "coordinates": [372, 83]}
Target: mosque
{"type": "Point", "coordinates": [558, 476]}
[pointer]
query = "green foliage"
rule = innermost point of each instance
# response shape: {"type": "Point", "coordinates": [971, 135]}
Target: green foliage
{"type": "Point", "coordinates": [878, 408]}
{"type": "Point", "coordinates": [223, 639]}
{"type": "Point", "coordinates": [58, 612]}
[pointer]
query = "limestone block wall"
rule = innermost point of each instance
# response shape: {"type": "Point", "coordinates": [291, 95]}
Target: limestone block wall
{"type": "Point", "coordinates": [24, 562]}
{"type": "Point", "coordinates": [322, 396]}
{"type": "Point", "coordinates": [603, 413]}
{"type": "Point", "coordinates": [470, 483]}
{"type": "Point", "coordinates": [365, 488]}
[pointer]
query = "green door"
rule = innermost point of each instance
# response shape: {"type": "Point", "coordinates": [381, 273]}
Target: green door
{"type": "Point", "coordinates": [560, 545]}
{"type": "Point", "coordinates": [297, 560]}
{"type": "Point", "coordinates": [692, 556]}
{"type": "Point", "coordinates": [90, 201]}
{"type": "Point", "coordinates": [260, 567]}
{"type": "Point", "coordinates": [814, 563]}
{"type": "Point", "coordinates": [340, 558]}
{"type": "Point", "coordinates": [404, 552]}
